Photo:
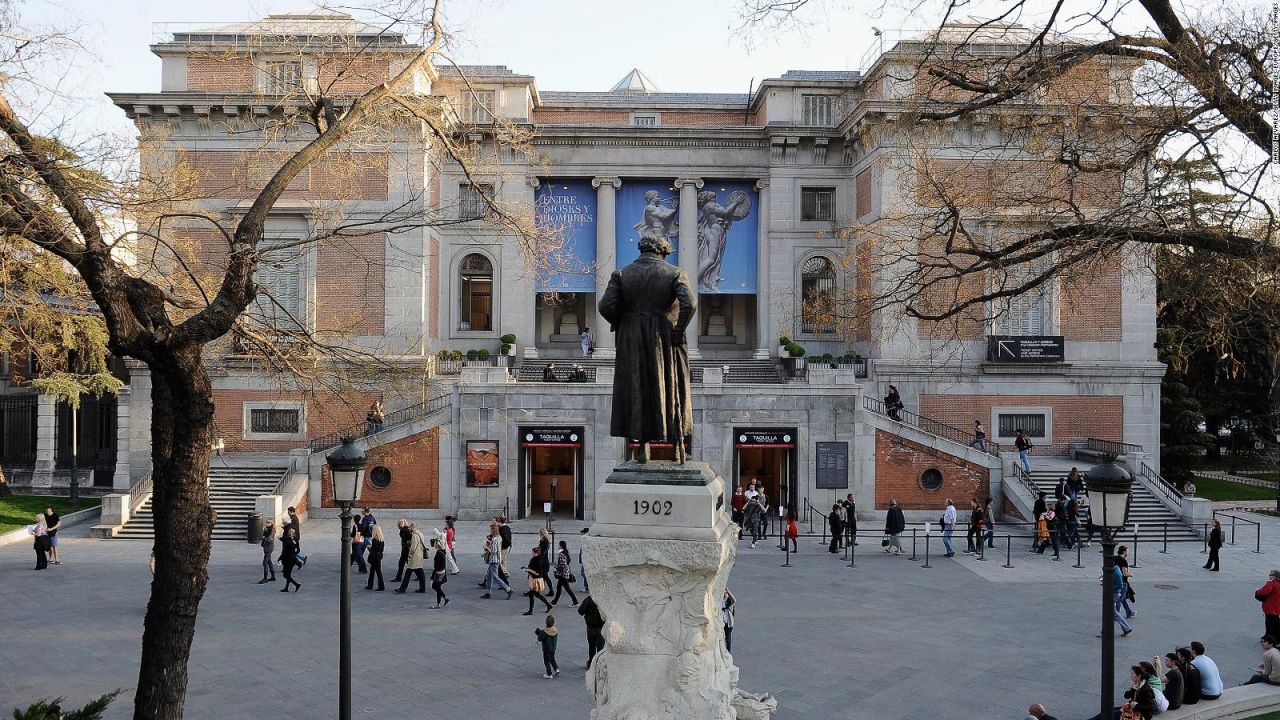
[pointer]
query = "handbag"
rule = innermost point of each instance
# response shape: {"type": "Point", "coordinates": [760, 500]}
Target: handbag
{"type": "Point", "coordinates": [572, 579]}
{"type": "Point", "coordinates": [885, 541]}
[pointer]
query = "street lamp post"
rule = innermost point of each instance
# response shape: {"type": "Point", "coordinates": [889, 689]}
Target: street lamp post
{"type": "Point", "coordinates": [1109, 498]}
{"type": "Point", "coordinates": [346, 473]}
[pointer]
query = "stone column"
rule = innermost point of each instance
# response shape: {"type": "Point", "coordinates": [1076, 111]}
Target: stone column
{"type": "Point", "coordinates": [764, 320]}
{"type": "Point", "coordinates": [606, 257]}
{"type": "Point", "coordinates": [688, 218]}
{"type": "Point", "coordinates": [46, 440]}
{"type": "Point", "coordinates": [121, 480]}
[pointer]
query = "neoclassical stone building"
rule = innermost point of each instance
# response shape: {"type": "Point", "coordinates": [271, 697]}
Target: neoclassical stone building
{"type": "Point", "coordinates": [766, 197]}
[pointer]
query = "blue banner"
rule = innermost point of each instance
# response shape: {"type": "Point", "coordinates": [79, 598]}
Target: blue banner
{"type": "Point", "coordinates": [728, 212]}
{"type": "Point", "coordinates": [566, 211]}
{"type": "Point", "coordinates": [646, 207]}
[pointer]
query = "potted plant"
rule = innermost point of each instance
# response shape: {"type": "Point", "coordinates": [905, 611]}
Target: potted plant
{"type": "Point", "coordinates": [508, 344]}
{"type": "Point", "coordinates": [482, 355]}
{"type": "Point", "coordinates": [783, 342]}
{"type": "Point", "coordinates": [473, 355]}
{"type": "Point", "coordinates": [795, 356]}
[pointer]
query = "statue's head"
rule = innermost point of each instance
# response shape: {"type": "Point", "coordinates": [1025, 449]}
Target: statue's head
{"type": "Point", "coordinates": [705, 197]}
{"type": "Point", "coordinates": [651, 195]}
{"type": "Point", "coordinates": [656, 245]}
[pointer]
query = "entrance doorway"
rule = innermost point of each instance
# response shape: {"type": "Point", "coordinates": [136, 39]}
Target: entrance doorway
{"type": "Point", "coordinates": [551, 466]}
{"type": "Point", "coordinates": [768, 457]}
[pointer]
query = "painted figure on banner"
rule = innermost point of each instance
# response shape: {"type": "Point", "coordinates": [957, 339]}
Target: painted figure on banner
{"type": "Point", "coordinates": [714, 221]}
{"type": "Point", "coordinates": [648, 305]}
{"type": "Point", "coordinates": [658, 220]}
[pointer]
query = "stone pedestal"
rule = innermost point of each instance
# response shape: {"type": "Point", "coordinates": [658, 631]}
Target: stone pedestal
{"type": "Point", "coordinates": [659, 558]}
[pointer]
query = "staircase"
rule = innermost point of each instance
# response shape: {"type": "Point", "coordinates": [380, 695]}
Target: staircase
{"type": "Point", "coordinates": [232, 492]}
{"type": "Point", "coordinates": [746, 371]}
{"type": "Point", "coordinates": [1145, 508]}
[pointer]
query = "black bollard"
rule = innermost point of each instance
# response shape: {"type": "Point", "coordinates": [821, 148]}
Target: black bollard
{"type": "Point", "coordinates": [913, 544]}
{"type": "Point", "coordinates": [1135, 564]}
{"type": "Point", "coordinates": [926, 550]}
{"type": "Point", "coordinates": [982, 547]}
{"type": "Point", "coordinates": [787, 549]}
{"type": "Point", "coordinates": [1053, 534]}
{"type": "Point", "coordinates": [853, 553]}
{"type": "Point", "coordinates": [1078, 563]}
{"type": "Point", "coordinates": [1008, 551]}
{"type": "Point", "coordinates": [1164, 549]}
{"type": "Point", "coordinates": [1206, 539]}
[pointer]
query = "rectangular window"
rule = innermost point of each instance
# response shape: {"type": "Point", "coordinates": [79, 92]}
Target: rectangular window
{"type": "Point", "coordinates": [1033, 424]}
{"type": "Point", "coordinates": [644, 120]}
{"type": "Point", "coordinates": [282, 78]}
{"type": "Point", "coordinates": [818, 204]}
{"type": "Point", "coordinates": [275, 421]}
{"type": "Point", "coordinates": [279, 300]}
{"type": "Point", "coordinates": [471, 200]}
{"type": "Point", "coordinates": [817, 109]}
{"type": "Point", "coordinates": [477, 106]}
{"type": "Point", "coordinates": [1031, 312]}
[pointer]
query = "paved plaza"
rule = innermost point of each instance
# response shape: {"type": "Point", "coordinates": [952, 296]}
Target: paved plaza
{"type": "Point", "coordinates": [885, 640]}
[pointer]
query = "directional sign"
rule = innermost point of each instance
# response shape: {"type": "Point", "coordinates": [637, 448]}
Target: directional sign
{"type": "Point", "coordinates": [1025, 348]}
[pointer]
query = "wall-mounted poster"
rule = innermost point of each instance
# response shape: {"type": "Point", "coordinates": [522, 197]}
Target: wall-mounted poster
{"type": "Point", "coordinates": [646, 207]}
{"type": "Point", "coordinates": [727, 237]}
{"type": "Point", "coordinates": [566, 211]}
{"type": "Point", "coordinates": [482, 463]}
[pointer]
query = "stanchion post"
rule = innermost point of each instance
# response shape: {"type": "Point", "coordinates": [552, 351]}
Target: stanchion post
{"type": "Point", "coordinates": [1257, 546]}
{"type": "Point", "coordinates": [1164, 548]}
{"type": "Point", "coordinates": [1233, 529]}
{"type": "Point", "coordinates": [913, 544]}
{"type": "Point", "coordinates": [1078, 546]}
{"type": "Point", "coordinates": [926, 550]}
{"type": "Point", "coordinates": [1135, 564]}
{"type": "Point", "coordinates": [1057, 547]}
{"type": "Point", "coordinates": [982, 547]}
{"type": "Point", "coordinates": [853, 553]}
{"type": "Point", "coordinates": [1206, 539]}
{"type": "Point", "coordinates": [1008, 551]}
{"type": "Point", "coordinates": [786, 547]}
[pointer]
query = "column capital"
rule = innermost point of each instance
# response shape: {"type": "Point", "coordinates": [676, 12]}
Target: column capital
{"type": "Point", "coordinates": [614, 182]}
{"type": "Point", "coordinates": [681, 182]}
{"type": "Point", "coordinates": [533, 181]}
{"type": "Point", "coordinates": [762, 183]}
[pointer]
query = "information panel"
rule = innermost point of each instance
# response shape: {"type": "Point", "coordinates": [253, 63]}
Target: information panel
{"type": "Point", "coordinates": [833, 465]}
{"type": "Point", "coordinates": [1025, 348]}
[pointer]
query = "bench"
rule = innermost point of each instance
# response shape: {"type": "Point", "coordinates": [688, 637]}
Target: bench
{"type": "Point", "coordinates": [1236, 702]}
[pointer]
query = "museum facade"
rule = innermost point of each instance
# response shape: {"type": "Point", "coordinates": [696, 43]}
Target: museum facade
{"type": "Point", "coordinates": [769, 198]}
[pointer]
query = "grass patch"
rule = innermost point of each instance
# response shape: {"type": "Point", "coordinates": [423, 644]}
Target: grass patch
{"type": "Point", "coordinates": [1215, 489]}
{"type": "Point", "coordinates": [1229, 462]}
{"type": "Point", "coordinates": [19, 511]}
{"type": "Point", "coordinates": [1268, 716]}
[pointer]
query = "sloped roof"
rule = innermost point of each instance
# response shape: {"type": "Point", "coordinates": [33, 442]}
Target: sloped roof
{"type": "Point", "coordinates": [636, 82]}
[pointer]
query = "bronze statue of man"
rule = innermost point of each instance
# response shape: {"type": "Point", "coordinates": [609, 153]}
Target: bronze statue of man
{"type": "Point", "coordinates": [648, 305]}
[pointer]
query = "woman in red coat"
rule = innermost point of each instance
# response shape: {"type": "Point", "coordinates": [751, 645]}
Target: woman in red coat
{"type": "Point", "coordinates": [1269, 594]}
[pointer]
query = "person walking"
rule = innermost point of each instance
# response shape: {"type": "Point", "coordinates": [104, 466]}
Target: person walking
{"type": "Point", "coordinates": [295, 523]}
{"type": "Point", "coordinates": [367, 522]}
{"type": "Point", "coordinates": [1269, 596]}
{"type": "Point", "coordinates": [728, 613]}
{"type": "Point", "coordinates": [377, 547]}
{"type": "Point", "coordinates": [268, 543]}
{"type": "Point", "coordinates": [1215, 545]}
{"type": "Point", "coordinates": [737, 507]}
{"type": "Point", "coordinates": [439, 576]}
{"type": "Point", "coordinates": [582, 569]}
{"type": "Point", "coordinates": [844, 524]}
{"type": "Point", "coordinates": [753, 512]}
{"type": "Point", "coordinates": [504, 532]}
{"type": "Point", "coordinates": [894, 523]}
{"type": "Point", "coordinates": [450, 537]}
{"type": "Point", "coordinates": [948, 526]}
{"type": "Point", "coordinates": [289, 558]}
{"type": "Point", "coordinates": [1084, 516]}
{"type": "Point", "coordinates": [793, 532]}
{"type": "Point", "coordinates": [54, 523]}
{"type": "Point", "coordinates": [837, 527]}
{"type": "Point", "coordinates": [402, 527]}
{"type": "Point", "coordinates": [594, 621]}
{"type": "Point", "coordinates": [1023, 445]}
{"type": "Point", "coordinates": [40, 542]}
{"type": "Point", "coordinates": [357, 550]}
{"type": "Point", "coordinates": [1122, 566]}
{"type": "Point", "coordinates": [989, 517]}
{"type": "Point", "coordinates": [585, 339]}
{"type": "Point", "coordinates": [493, 558]}
{"type": "Point", "coordinates": [973, 538]}
{"type": "Point", "coordinates": [1118, 586]}
{"type": "Point", "coordinates": [1042, 532]}
{"type": "Point", "coordinates": [564, 575]}
{"type": "Point", "coordinates": [417, 557]}
{"type": "Point", "coordinates": [979, 440]}
{"type": "Point", "coordinates": [548, 639]}
{"type": "Point", "coordinates": [536, 574]}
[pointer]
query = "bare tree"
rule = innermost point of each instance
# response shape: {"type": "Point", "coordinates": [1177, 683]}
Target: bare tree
{"type": "Point", "coordinates": [186, 300]}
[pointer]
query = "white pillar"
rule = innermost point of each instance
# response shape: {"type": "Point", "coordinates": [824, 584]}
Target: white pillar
{"type": "Point", "coordinates": [688, 188]}
{"type": "Point", "coordinates": [121, 479]}
{"type": "Point", "coordinates": [764, 321]}
{"type": "Point", "coordinates": [46, 440]}
{"type": "Point", "coordinates": [606, 257]}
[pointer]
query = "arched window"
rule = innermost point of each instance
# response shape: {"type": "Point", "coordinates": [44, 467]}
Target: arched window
{"type": "Point", "coordinates": [476, 286]}
{"type": "Point", "coordinates": [817, 295]}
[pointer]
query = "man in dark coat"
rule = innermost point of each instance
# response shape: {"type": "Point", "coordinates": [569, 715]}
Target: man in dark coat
{"type": "Point", "coordinates": [648, 304]}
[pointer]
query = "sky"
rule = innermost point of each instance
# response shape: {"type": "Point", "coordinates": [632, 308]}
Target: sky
{"type": "Point", "coordinates": [682, 45]}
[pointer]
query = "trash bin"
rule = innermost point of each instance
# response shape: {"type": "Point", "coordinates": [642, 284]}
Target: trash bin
{"type": "Point", "coordinates": [254, 531]}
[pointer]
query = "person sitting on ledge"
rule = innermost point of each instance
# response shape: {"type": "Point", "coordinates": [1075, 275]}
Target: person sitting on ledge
{"type": "Point", "coordinates": [1210, 680]}
{"type": "Point", "coordinates": [1269, 670]}
{"type": "Point", "coordinates": [549, 373]}
{"type": "Point", "coordinates": [1037, 712]}
{"type": "Point", "coordinates": [577, 374]}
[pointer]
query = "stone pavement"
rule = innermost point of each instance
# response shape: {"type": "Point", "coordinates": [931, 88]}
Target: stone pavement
{"type": "Point", "coordinates": [885, 640]}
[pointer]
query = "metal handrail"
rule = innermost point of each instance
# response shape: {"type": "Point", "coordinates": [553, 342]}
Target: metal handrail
{"type": "Point", "coordinates": [139, 490]}
{"type": "Point", "coordinates": [436, 402]}
{"type": "Point", "coordinates": [933, 427]}
{"type": "Point", "coordinates": [1257, 528]}
{"type": "Point", "coordinates": [1024, 479]}
{"type": "Point", "coordinates": [1111, 447]}
{"type": "Point", "coordinates": [284, 478]}
{"type": "Point", "coordinates": [1161, 484]}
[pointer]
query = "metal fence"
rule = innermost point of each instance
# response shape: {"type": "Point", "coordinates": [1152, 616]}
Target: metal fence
{"type": "Point", "coordinates": [436, 402]}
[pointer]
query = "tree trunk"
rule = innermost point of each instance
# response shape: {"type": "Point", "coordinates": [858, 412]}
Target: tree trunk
{"type": "Point", "coordinates": [181, 435]}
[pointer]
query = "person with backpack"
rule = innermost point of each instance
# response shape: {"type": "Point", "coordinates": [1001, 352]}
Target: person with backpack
{"type": "Point", "coordinates": [1023, 445]}
{"type": "Point", "coordinates": [893, 403]}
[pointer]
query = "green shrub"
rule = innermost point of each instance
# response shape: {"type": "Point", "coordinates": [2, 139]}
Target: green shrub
{"type": "Point", "coordinates": [784, 341]}
{"type": "Point", "coordinates": [795, 350]}
{"type": "Point", "coordinates": [508, 339]}
{"type": "Point", "coordinates": [473, 354]}
{"type": "Point", "coordinates": [482, 354]}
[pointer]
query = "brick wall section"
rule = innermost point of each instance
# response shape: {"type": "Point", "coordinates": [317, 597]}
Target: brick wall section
{"type": "Point", "coordinates": [1087, 83]}
{"type": "Point", "coordinates": [351, 285]}
{"type": "Point", "coordinates": [587, 116]}
{"type": "Point", "coordinates": [230, 174]}
{"type": "Point", "coordinates": [900, 463]}
{"type": "Point", "coordinates": [225, 72]}
{"type": "Point", "coordinates": [1075, 417]}
{"type": "Point", "coordinates": [348, 74]}
{"type": "Point", "coordinates": [864, 275]}
{"type": "Point", "coordinates": [941, 295]}
{"type": "Point", "coordinates": [862, 190]}
{"type": "Point", "coordinates": [1011, 183]}
{"type": "Point", "coordinates": [325, 413]}
{"type": "Point", "coordinates": [1010, 512]}
{"type": "Point", "coordinates": [1091, 302]}
{"type": "Point", "coordinates": [414, 463]}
